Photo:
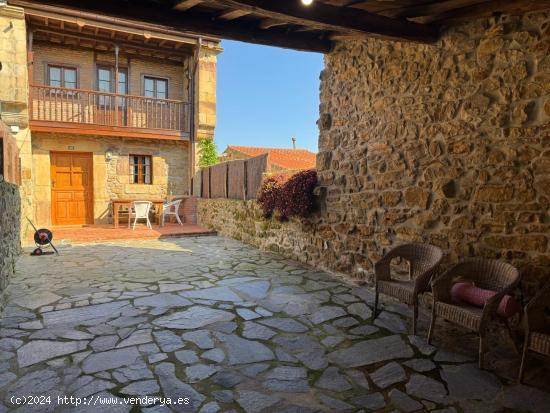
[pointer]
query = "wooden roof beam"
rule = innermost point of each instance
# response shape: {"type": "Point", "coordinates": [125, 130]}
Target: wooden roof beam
{"type": "Point", "coordinates": [183, 5]}
{"type": "Point", "coordinates": [233, 14]}
{"type": "Point", "coordinates": [107, 40]}
{"type": "Point", "coordinates": [269, 23]}
{"type": "Point", "coordinates": [332, 18]}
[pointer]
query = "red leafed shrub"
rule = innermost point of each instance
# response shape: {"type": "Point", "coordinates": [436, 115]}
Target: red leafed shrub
{"type": "Point", "coordinates": [297, 197]}
{"type": "Point", "coordinates": [270, 193]}
{"type": "Point", "coordinates": [287, 197]}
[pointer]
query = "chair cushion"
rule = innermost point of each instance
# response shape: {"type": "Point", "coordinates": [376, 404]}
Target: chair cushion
{"type": "Point", "coordinates": [469, 293]}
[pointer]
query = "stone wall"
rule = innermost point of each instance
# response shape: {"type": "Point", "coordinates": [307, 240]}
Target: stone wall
{"type": "Point", "coordinates": [446, 143]}
{"type": "Point", "coordinates": [243, 220]}
{"type": "Point", "coordinates": [10, 243]}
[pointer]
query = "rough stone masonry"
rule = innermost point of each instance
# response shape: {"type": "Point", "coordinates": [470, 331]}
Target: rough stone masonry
{"type": "Point", "coordinates": [10, 210]}
{"type": "Point", "coordinates": [446, 143]}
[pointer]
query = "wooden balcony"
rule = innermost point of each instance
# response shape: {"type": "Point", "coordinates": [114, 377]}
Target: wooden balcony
{"type": "Point", "coordinates": [89, 112]}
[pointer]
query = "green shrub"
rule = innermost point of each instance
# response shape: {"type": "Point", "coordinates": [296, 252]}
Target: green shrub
{"type": "Point", "coordinates": [208, 153]}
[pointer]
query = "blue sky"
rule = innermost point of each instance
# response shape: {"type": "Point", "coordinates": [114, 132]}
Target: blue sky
{"type": "Point", "coordinates": [266, 95]}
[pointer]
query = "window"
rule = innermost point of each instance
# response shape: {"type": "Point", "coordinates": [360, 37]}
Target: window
{"type": "Point", "coordinates": [106, 83]}
{"type": "Point", "coordinates": [106, 80]}
{"type": "Point", "coordinates": [62, 76]}
{"type": "Point", "coordinates": [155, 87]}
{"type": "Point", "coordinates": [140, 169]}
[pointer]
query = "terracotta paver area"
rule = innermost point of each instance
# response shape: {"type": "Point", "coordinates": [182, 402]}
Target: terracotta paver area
{"type": "Point", "coordinates": [96, 233]}
{"type": "Point", "coordinates": [230, 328]}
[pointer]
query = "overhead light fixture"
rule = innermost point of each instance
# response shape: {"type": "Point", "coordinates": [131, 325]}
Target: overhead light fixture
{"type": "Point", "coordinates": [307, 2]}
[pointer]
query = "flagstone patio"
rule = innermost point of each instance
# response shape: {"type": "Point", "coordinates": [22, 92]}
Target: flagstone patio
{"type": "Point", "coordinates": [227, 326]}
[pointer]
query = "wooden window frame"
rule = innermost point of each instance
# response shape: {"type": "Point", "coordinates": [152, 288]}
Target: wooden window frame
{"type": "Point", "coordinates": [146, 76]}
{"type": "Point", "coordinates": [63, 66]}
{"type": "Point", "coordinates": [112, 68]}
{"type": "Point", "coordinates": [140, 169]}
{"type": "Point", "coordinates": [113, 79]}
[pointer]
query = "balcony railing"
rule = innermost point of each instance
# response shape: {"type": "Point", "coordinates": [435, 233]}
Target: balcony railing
{"type": "Point", "coordinates": [89, 107]}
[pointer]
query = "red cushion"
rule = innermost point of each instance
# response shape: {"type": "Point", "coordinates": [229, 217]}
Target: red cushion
{"type": "Point", "coordinates": [476, 296]}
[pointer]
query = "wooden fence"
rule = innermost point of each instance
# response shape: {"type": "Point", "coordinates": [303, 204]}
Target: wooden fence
{"type": "Point", "coordinates": [10, 164]}
{"type": "Point", "coordinates": [238, 179]}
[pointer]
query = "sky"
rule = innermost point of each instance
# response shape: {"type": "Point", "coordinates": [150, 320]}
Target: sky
{"type": "Point", "coordinates": [267, 95]}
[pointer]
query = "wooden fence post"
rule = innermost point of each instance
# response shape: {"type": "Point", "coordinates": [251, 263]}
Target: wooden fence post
{"type": "Point", "coordinates": [227, 180]}
{"type": "Point", "coordinates": [201, 190]}
{"type": "Point", "coordinates": [245, 181]}
{"type": "Point", "coordinates": [209, 183]}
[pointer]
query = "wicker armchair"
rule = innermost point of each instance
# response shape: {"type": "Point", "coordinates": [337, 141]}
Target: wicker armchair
{"type": "Point", "coordinates": [537, 320]}
{"type": "Point", "coordinates": [423, 261]}
{"type": "Point", "coordinates": [485, 273]}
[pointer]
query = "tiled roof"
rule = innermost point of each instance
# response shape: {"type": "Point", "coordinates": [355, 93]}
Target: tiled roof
{"type": "Point", "coordinates": [292, 159]}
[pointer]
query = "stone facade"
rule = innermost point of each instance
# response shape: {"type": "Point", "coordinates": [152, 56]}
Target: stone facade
{"type": "Point", "coordinates": [111, 179]}
{"type": "Point", "coordinates": [10, 216]}
{"type": "Point", "coordinates": [14, 95]}
{"type": "Point", "coordinates": [446, 143]}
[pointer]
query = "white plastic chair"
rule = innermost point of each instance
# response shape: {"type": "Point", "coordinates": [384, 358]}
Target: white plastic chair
{"type": "Point", "coordinates": [171, 208]}
{"type": "Point", "coordinates": [140, 210]}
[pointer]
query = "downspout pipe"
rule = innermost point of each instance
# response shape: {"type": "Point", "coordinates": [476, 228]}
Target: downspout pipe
{"type": "Point", "coordinates": [193, 84]}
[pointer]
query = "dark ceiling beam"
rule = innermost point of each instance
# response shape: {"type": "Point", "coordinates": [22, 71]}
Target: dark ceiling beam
{"type": "Point", "coordinates": [332, 18]}
{"type": "Point", "coordinates": [489, 8]}
{"type": "Point", "coordinates": [385, 7]}
{"type": "Point", "coordinates": [196, 22]}
{"type": "Point", "coordinates": [435, 8]}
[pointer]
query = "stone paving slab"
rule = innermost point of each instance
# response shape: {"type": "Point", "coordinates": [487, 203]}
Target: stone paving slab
{"type": "Point", "coordinates": [230, 328]}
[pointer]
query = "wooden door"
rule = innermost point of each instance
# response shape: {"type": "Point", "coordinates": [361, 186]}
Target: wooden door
{"type": "Point", "coordinates": [72, 193]}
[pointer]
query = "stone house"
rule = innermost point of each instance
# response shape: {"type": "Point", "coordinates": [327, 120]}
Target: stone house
{"type": "Point", "coordinates": [279, 159]}
{"type": "Point", "coordinates": [102, 109]}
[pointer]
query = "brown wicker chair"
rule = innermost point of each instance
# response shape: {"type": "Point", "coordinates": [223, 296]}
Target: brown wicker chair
{"type": "Point", "coordinates": [485, 273]}
{"type": "Point", "coordinates": [423, 261]}
{"type": "Point", "coordinates": [537, 320]}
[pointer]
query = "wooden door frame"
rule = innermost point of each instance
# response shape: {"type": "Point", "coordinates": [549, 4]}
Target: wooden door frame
{"type": "Point", "coordinates": [90, 210]}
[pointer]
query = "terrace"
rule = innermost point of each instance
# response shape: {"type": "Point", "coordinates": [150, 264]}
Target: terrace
{"type": "Point", "coordinates": [244, 331]}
